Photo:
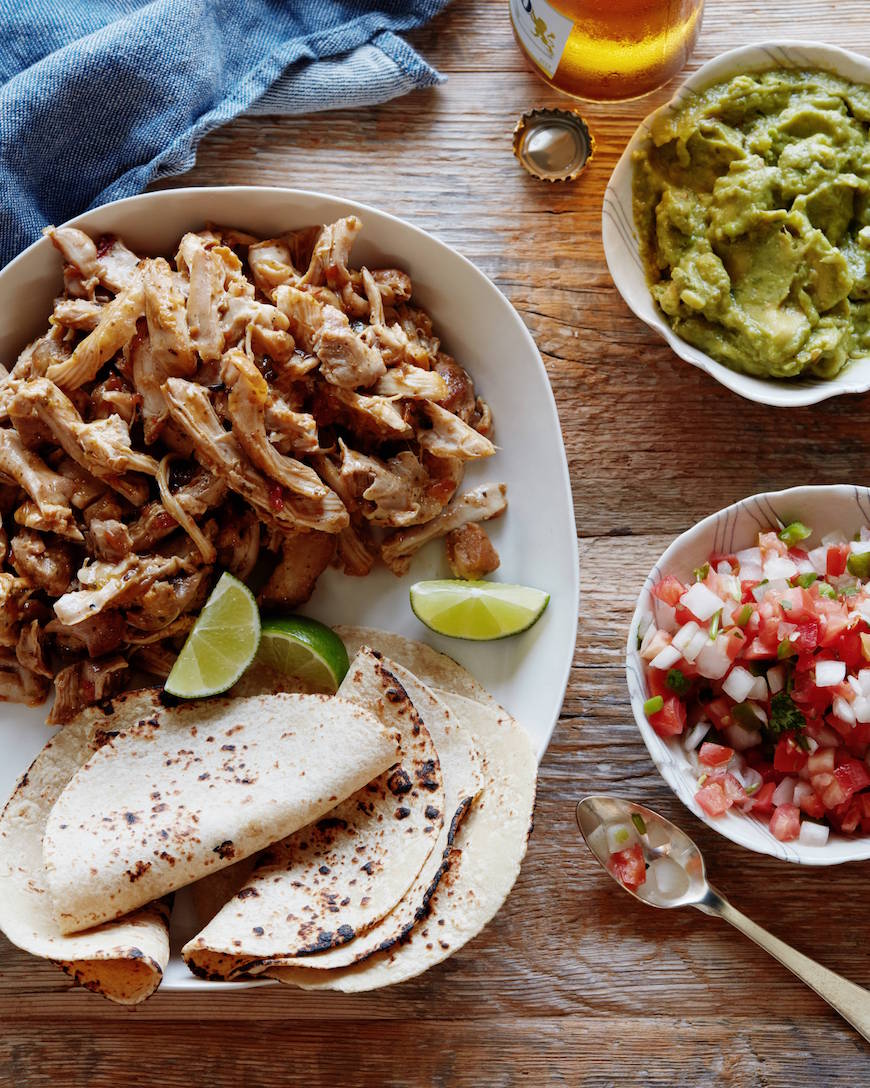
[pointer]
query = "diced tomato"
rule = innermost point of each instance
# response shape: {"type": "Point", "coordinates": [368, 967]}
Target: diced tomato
{"type": "Point", "coordinates": [733, 789]}
{"type": "Point", "coordinates": [757, 762]}
{"type": "Point", "coordinates": [848, 648]}
{"type": "Point", "coordinates": [715, 755]}
{"type": "Point", "coordinates": [671, 719]}
{"type": "Point", "coordinates": [821, 762]}
{"type": "Point", "coordinates": [747, 586]}
{"type": "Point", "coordinates": [835, 560]}
{"type": "Point", "coordinates": [628, 867]}
{"type": "Point", "coordinates": [834, 620]}
{"type": "Point", "coordinates": [785, 823]}
{"type": "Point", "coordinates": [669, 590]}
{"type": "Point", "coordinates": [771, 545]}
{"type": "Point", "coordinates": [719, 713]}
{"type": "Point", "coordinates": [656, 681]}
{"type": "Point", "coordinates": [762, 802]}
{"type": "Point", "coordinates": [812, 805]}
{"type": "Point", "coordinates": [711, 797]}
{"type": "Point", "coordinates": [806, 638]}
{"type": "Point", "coordinates": [788, 757]}
{"type": "Point", "coordinates": [852, 776]}
{"type": "Point", "coordinates": [735, 642]}
{"type": "Point", "coordinates": [798, 605]}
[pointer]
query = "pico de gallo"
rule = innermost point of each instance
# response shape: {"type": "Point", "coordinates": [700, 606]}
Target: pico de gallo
{"type": "Point", "coordinates": [761, 666]}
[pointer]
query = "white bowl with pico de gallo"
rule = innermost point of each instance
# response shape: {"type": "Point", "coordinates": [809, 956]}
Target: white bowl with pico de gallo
{"type": "Point", "coordinates": [748, 666]}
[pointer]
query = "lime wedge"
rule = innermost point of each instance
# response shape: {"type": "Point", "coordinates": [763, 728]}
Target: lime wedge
{"type": "Point", "coordinates": [302, 647]}
{"type": "Point", "coordinates": [221, 644]}
{"type": "Point", "coordinates": [477, 610]}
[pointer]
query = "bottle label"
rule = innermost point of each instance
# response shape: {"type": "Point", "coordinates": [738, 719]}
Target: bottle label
{"type": "Point", "coordinates": [542, 30]}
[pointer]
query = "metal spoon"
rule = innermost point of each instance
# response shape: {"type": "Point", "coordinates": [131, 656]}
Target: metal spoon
{"type": "Point", "coordinates": [851, 1002]}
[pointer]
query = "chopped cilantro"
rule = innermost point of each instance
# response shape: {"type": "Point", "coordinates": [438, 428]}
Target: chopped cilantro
{"type": "Point", "coordinates": [677, 682]}
{"type": "Point", "coordinates": [785, 716]}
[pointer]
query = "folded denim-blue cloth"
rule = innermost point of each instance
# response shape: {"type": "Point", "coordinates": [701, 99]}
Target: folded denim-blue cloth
{"type": "Point", "coordinates": [99, 97]}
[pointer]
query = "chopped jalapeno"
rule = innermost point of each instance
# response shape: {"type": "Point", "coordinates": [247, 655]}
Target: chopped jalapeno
{"type": "Point", "coordinates": [806, 580]}
{"type": "Point", "coordinates": [714, 625]}
{"type": "Point", "coordinates": [701, 572]}
{"type": "Point", "coordinates": [638, 822]}
{"type": "Point", "coordinates": [858, 564]}
{"type": "Point", "coordinates": [744, 615]}
{"type": "Point", "coordinates": [827, 591]}
{"type": "Point", "coordinates": [653, 705]}
{"type": "Point", "coordinates": [795, 533]}
{"type": "Point", "coordinates": [677, 682]}
{"type": "Point", "coordinates": [747, 715]}
{"type": "Point", "coordinates": [785, 649]}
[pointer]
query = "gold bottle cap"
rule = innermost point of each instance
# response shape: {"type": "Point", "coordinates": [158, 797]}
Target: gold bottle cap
{"type": "Point", "coordinates": [553, 145]}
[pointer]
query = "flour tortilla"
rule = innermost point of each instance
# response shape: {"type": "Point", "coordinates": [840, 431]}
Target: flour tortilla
{"type": "Point", "coordinates": [434, 669]}
{"type": "Point", "coordinates": [462, 784]}
{"type": "Point", "coordinates": [487, 853]}
{"type": "Point", "coordinates": [187, 790]}
{"type": "Point", "coordinates": [336, 879]}
{"type": "Point", "coordinates": [123, 960]}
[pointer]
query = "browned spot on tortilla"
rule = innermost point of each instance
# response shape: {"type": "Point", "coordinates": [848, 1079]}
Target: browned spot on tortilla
{"type": "Point", "coordinates": [226, 850]}
{"type": "Point", "coordinates": [140, 869]}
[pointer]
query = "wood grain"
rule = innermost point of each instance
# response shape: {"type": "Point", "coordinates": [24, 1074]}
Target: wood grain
{"type": "Point", "coordinates": [573, 983]}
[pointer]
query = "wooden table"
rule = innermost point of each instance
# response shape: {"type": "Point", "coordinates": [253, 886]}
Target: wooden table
{"type": "Point", "coordinates": [573, 983]}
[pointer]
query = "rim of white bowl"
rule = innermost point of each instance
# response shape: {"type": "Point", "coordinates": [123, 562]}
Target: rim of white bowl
{"type": "Point", "coordinates": [619, 237]}
{"type": "Point", "coordinates": [740, 828]}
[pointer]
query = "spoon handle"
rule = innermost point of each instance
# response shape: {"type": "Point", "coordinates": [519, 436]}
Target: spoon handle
{"type": "Point", "coordinates": [851, 1002]}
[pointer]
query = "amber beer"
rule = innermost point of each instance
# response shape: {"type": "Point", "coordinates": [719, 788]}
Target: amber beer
{"type": "Point", "coordinates": [607, 49]}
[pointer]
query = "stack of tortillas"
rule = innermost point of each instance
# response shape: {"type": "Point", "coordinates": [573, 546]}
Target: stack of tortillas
{"type": "Point", "coordinates": [345, 842]}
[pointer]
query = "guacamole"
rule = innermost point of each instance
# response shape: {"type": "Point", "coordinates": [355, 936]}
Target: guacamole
{"type": "Point", "coordinates": [752, 204]}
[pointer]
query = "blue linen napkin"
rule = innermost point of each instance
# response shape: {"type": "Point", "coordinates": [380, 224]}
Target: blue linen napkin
{"type": "Point", "coordinates": [99, 97]}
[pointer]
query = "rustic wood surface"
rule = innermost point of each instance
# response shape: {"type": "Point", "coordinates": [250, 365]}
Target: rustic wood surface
{"type": "Point", "coordinates": [573, 983]}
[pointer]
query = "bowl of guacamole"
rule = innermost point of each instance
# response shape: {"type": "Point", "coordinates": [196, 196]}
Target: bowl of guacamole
{"type": "Point", "coordinates": [737, 222]}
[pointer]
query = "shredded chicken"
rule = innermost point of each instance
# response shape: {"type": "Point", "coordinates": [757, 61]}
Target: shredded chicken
{"type": "Point", "coordinates": [479, 504]}
{"type": "Point", "coordinates": [470, 553]}
{"type": "Point", "coordinates": [246, 398]}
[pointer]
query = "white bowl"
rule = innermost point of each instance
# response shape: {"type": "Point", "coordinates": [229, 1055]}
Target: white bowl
{"type": "Point", "coordinates": [823, 509]}
{"type": "Point", "coordinates": [622, 250]}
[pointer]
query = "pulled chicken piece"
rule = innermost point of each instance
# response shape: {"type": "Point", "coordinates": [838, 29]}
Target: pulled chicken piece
{"type": "Point", "coordinates": [448, 436]}
{"type": "Point", "coordinates": [30, 649]}
{"type": "Point", "coordinates": [21, 685]}
{"type": "Point", "coordinates": [83, 684]}
{"type": "Point", "coordinates": [50, 491]}
{"type": "Point", "coordinates": [390, 493]}
{"type": "Point", "coordinates": [479, 504]}
{"type": "Point", "coordinates": [43, 562]}
{"type": "Point", "coordinates": [470, 553]}
{"type": "Point", "coordinates": [111, 585]}
{"type": "Point", "coordinates": [117, 325]}
{"type": "Point", "coordinates": [238, 543]}
{"type": "Point", "coordinates": [304, 557]}
{"type": "Point", "coordinates": [102, 634]}
{"type": "Point", "coordinates": [219, 452]}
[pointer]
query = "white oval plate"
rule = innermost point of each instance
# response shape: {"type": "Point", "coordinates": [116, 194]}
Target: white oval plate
{"type": "Point", "coordinates": [536, 539]}
{"type": "Point", "coordinates": [823, 509]}
{"type": "Point", "coordinates": [622, 250]}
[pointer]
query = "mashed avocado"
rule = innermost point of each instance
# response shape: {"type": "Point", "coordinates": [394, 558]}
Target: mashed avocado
{"type": "Point", "coordinates": [752, 204]}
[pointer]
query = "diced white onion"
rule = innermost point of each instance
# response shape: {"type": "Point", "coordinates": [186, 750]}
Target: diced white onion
{"type": "Point", "coordinates": [598, 842]}
{"type": "Point", "coordinates": [758, 689]}
{"type": "Point", "coordinates": [784, 792]}
{"type": "Point", "coordinates": [802, 791]}
{"type": "Point", "coordinates": [669, 878]}
{"type": "Point", "coordinates": [697, 644]}
{"type": "Point", "coordinates": [666, 658]}
{"type": "Point", "coordinates": [666, 616]}
{"type": "Point", "coordinates": [645, 622]}
{"type": "Point", "coordinates": [860, 547]}
{"type": "Point", "coordinates": [812, 746]}
{"type": "Point", "coordinates": [741, 739]}
{"type": "Point", "coordinates": [620, 836]}
{"type": "Point", "coordinates": [701, 602]}
{"type": "Point", "coordinates": [656, 834]}
{"type": "Point", "coordinates": [750, 779]}
{"type": "Point", "coordinates": [779, 566]}
{"type": "Point", "coordinates": [738, 684]}
{"type": "Point", "coordinates": [685, 635]}
{"type": "Point", "coordinates": [864, 680]}
{"type": "Point", "coordinates": [819, 559]}
{"type": "Point", "coordinates": [865, 532]}
{"type": "Point", "coordinates": [804, 566]}
{"type": "Point", "coordinates": [728, 610]}
{"type": "Point", "coordinates": [861, 708]}
{"type": "Point", "coordinates": [785, 630]}
{"type": "Point", "coordinates": [834, 538]}
{"type": "Point", "coordinates": [759, 591]}
{"type": "Point", "coordinates": [724, 567]}
{"type": "Point", "coordinates": [813, 834]}
{"type": "Point", "coordinates": [693, 738]}
{"type": "Point", "coordinates": [776, 679]}
{"type": "Point", "coordinates": [713, 661]}
{"type": "Point", "coordinates": [830, 673]}
{"type": "Point", "coordinates": [750, 556]}
{"type": "Point", "coordinates": [842, 709]}
{"type": "Point", "coordinates": [730, 585]}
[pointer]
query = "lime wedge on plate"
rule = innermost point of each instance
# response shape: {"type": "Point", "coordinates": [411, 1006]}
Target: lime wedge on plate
{"type": "Point", "coordinates": [477, 610]}
{"type": "Point", "coordinates": [221, 644]}
{"type": "Point", "coordinates": [299, 646]}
